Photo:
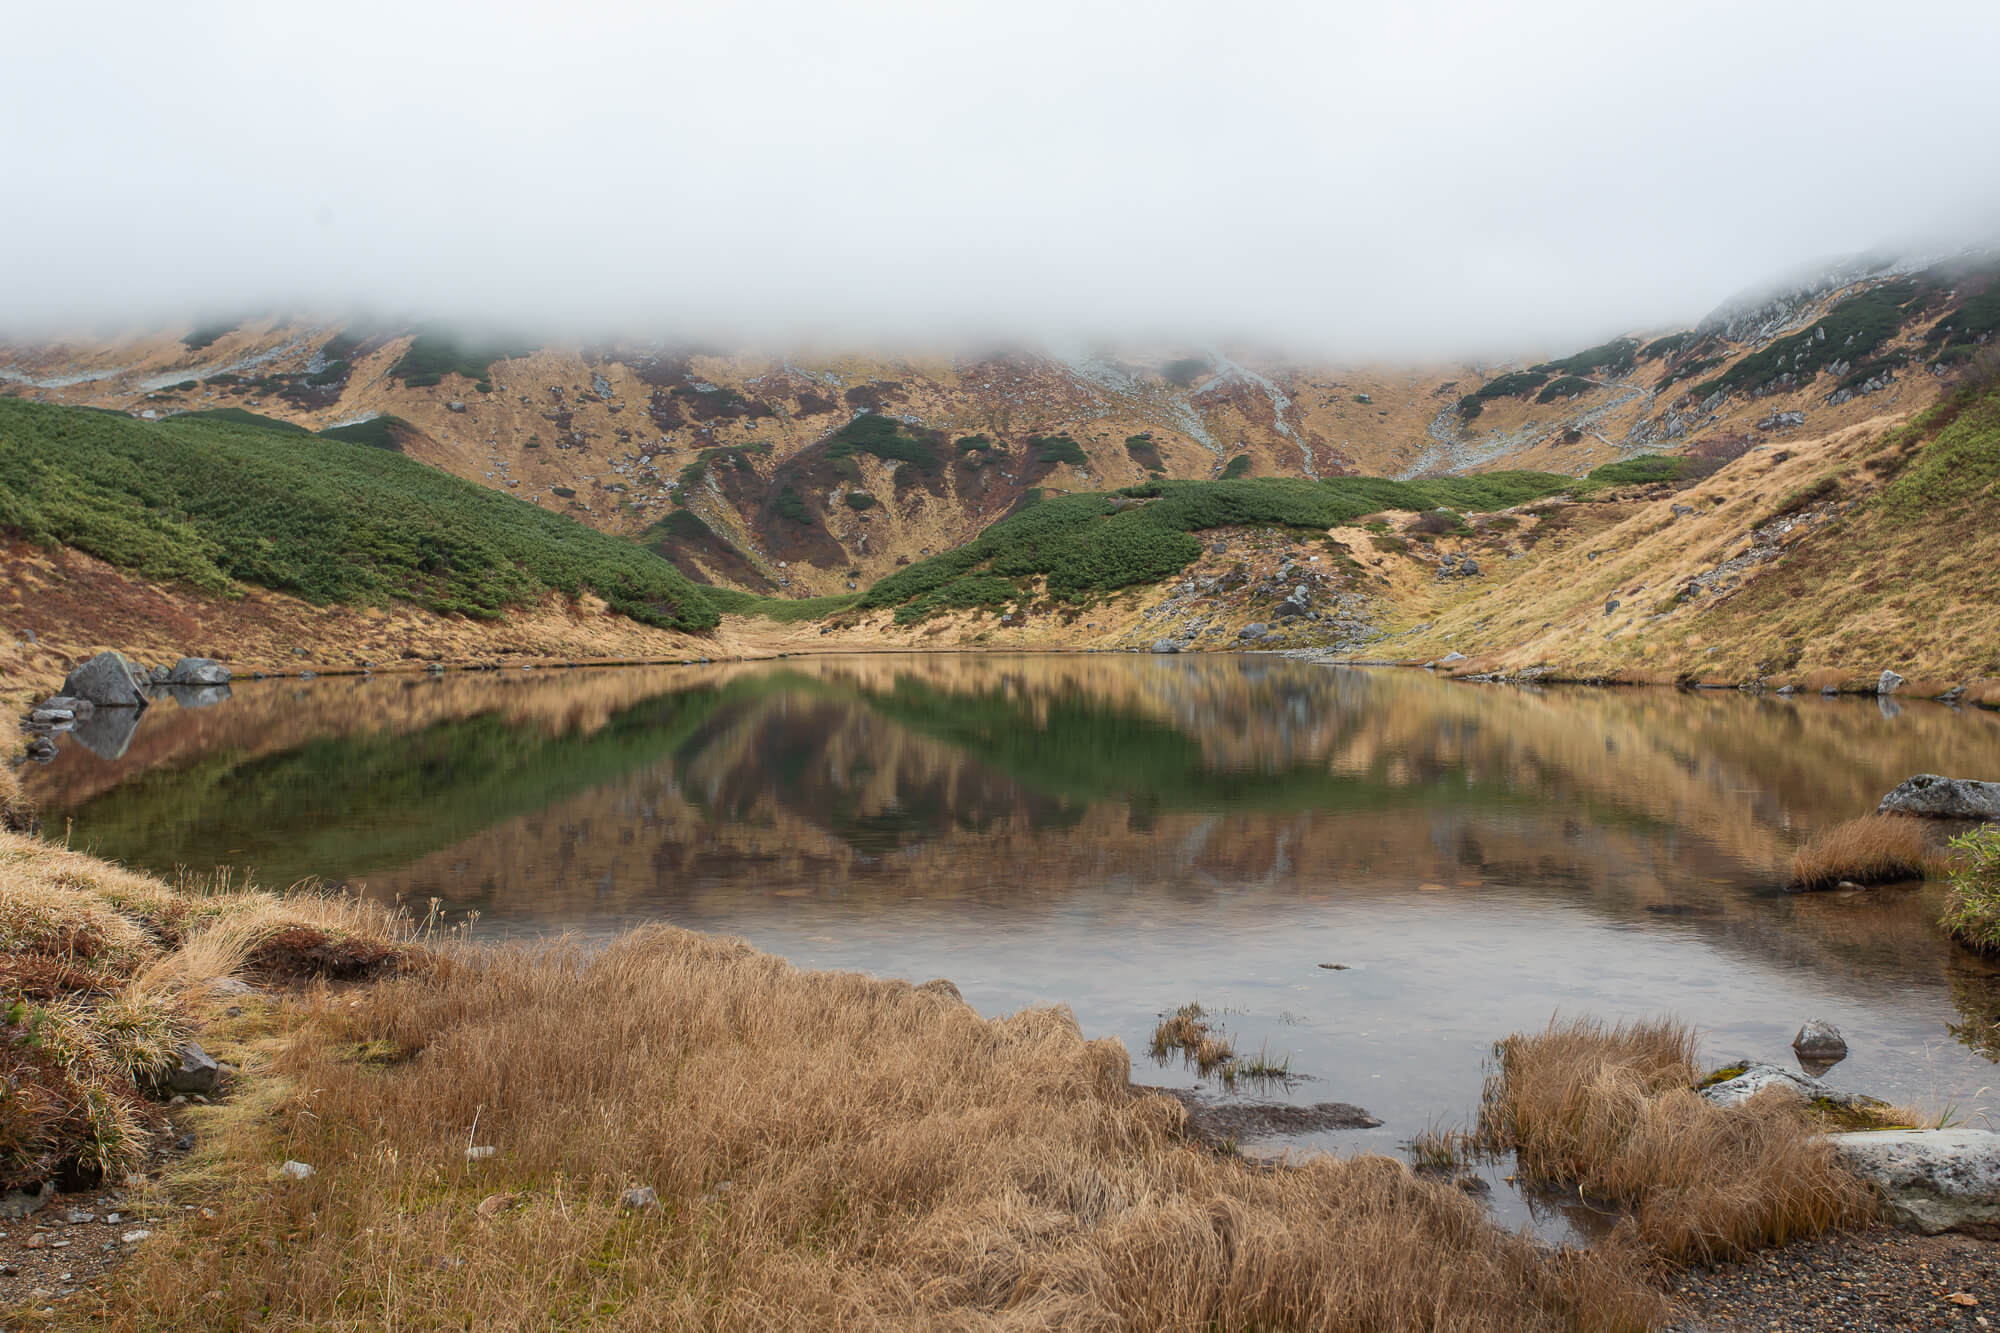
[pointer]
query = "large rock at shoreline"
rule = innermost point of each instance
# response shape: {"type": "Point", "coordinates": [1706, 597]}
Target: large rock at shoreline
{"type": "Point", "coordinates": [198, 671]}
{"type": "Point", "coordinates": [108, 680]}
{"type": "Point", "coordinates": [1931, 1179]}
{"type": "Point", "coordinates": [1929, 796]}
{"type": "Point", "coordinates": [1756, 1077]}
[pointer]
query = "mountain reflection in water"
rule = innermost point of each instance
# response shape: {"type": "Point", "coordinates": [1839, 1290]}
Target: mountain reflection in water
{"type": "Point", "coordinates": [1123, 834]}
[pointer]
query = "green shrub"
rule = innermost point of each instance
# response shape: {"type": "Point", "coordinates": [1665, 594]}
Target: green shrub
{"type": "Point", "coordinates": [1644, 470]}
{"type": "Point", "coordinates": [376, 432]}
{"type": "Point", "coordinates": [318, 517]}
{"type": "Point", "coordinates": [1666, 346]}
{"type": "Point", "coordinates": [332, 373]}
{"type": "Point", "coordinates": [1978, 318]}
{"type": "Point", "coordinates": [1082, 545]}
{"type": "Point", "coordinates": [1058, 449]}
{"type": "Point", "coordinates": [1850, 331]}
{"type": "Point", "coordinates": [204, 334]}
{"type": "Point", "coordinates": [1239, 466]}
{"type": "Point", "coordinates": [241, 417]}
{"type": "Point", "coordinates": [1567, 387]}
{"type": "Point", "coordinates": [566, 492]}
{"type": "Point", "coordinates": [437, 352]}
{"type": "Point", "coordinates": [1972, 903]}
{"type": "Point", "coordinates": [967, 444]}
{"type": "Point", "coordinates": [785, 610]}
{"type": "Point", "coordinates": [858, 500]}
{"type": "Point", "coordinates": [1616, 356]}
{"type": "Point", "coordinates": [886, 438]}
{"type": "Point", "coordinates": [1141, 450]}
{"type": "Point", "coordinates": [1519, 384]}
{"type": "Point", "coordinates": [791, 505]}
{"type": "Point", "coordinates": [1438, 523]}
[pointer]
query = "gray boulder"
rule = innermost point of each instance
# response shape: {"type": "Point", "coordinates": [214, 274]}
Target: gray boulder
{"type": "Point", "coordinates": [1931, 1180]}
{"type": "Point", "coordinates": [158, 675]}
{"type": "Point", "coordinates": [1819, 1046]}
{"type": "Point", "coordinates": [1451, 657]}
{"type": "Point", "coordinates": [1929, 796]}
{"type": "Point", "coordinates": [1757, 1076]}
{"type": "Point", "coordinates": [198, 671]}
{"type": "Point", "coordinates": [1256, 631]}
{"type": "Point", "coordinates": [1888, 683]}
{"type": "Point", "coordinates": [108, 680]}
{"type": "Point", "coordinates": [193, 1073]}
{"type": "Point", "coordinates": [1165, 646]}
{"type": "Point", "coordinates": [16, 1204]}
{"type": "Point", "coordinates": [73, 706]}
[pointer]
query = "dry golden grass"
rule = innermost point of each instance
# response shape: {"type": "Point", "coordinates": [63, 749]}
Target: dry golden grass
{"type": "Point", "coordinates": [1612, 1111]}
{"type": "Point", "coordinates": [1869, 850]}
{"type": "Point", "coordinates": [103, 971]}
{"type": "Point", "coordinates": [828, 1151]}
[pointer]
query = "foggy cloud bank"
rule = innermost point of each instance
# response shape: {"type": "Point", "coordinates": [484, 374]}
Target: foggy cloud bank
{"type": "Point", "coordinates": [1388, 179]}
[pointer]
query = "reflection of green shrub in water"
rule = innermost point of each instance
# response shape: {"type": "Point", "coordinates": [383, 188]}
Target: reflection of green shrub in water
{"type": "Point", "coordinates": [350, 805]}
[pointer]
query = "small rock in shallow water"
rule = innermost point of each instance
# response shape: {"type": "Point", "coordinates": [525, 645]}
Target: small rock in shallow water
{"type": "Point", "coordinates": [1819, 1043]}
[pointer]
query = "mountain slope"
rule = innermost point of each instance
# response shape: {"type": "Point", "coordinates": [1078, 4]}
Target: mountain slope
{"type": "Point", "coordinates": [761, 449]}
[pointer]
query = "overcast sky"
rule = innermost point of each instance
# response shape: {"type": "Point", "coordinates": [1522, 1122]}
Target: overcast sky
{"type": "Point", "coordinates": [1422, 175]}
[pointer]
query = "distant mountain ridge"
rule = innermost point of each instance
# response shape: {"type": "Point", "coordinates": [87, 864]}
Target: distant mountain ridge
{"type": "Point", "coordinates": [808, 475]}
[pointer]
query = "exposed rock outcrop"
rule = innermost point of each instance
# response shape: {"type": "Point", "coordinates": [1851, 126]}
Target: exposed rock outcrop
{"type": "Point", "coordinates": [108, 680]}
{"type": "Point", "coordinates": [1931, 1180]}
{"type": "Point", "coordinates": [1929, 796]}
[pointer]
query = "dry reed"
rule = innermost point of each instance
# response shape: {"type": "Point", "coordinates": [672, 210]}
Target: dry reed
{"type": "Point", "coordinates": [1613, 1111]}
{"type": "Point", "coordinates": [1869, 850]}
{"type": "Point", "coordinates": [828, 1151]}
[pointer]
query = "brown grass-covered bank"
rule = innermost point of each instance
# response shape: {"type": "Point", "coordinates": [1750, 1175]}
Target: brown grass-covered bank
{"type": "Point", "coordinates": [676, 1131]}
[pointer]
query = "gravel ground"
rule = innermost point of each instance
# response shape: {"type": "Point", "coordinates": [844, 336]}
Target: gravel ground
{"type": "Point", "coordinates": [1871, 1280]}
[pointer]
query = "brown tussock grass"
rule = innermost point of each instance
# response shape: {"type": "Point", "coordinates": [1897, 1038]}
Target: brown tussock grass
{"type": "Point", "coordinates": [1612, 1110]}
{"type": "Point", "coordinates": [1187, 1030]}
{"type": "Point", "coordinates": [104, 972]}
{"type": "Point", "coordinates": [1869, 850]}
{"type": "Point", "coordinates": [829, 1151]}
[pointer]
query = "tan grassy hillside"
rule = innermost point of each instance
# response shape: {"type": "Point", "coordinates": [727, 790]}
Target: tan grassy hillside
{"type": "Point", "coordinates": [1823, 562]}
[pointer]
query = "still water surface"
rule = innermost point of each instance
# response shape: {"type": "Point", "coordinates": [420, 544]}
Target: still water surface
{"type": "Point", "coordinates": [1123, 835]}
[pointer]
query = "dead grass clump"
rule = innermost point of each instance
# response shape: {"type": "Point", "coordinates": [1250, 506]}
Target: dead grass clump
{"type": "Point", "coordinates": [828, 1150]}
{"type": "Point", "coordinates": [1187, 1031]}
{"type": "Point", "coordinates": [1612, 1112]}
{"type": "Point", "coordinates": [1873, 849]}
{"type": "Point", "coordinates": [104, 970]}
